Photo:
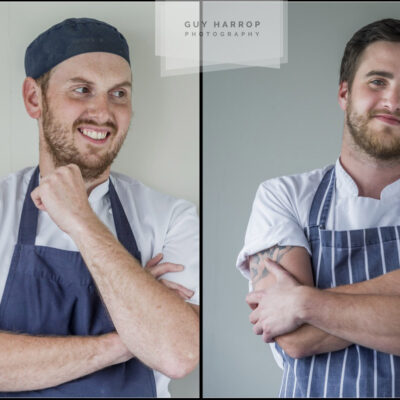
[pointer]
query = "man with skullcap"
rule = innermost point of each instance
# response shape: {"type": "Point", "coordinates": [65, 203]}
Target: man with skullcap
{"type": "Point", "coordinates": [79, 315]}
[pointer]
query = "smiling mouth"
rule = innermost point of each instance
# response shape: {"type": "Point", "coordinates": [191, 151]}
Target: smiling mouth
{"type": "Point", "coordinates": [388, 119]}
{"type": "Point", "coordinates": [96, 136]}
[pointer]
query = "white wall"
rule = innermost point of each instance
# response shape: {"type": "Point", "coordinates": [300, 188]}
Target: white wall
{"type": "Point", "coordinates": [162, 146]}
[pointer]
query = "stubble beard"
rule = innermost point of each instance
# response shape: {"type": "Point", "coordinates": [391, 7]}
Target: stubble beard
{"type": "Point", "coordinates": [382, 145]}
{"type": "Point", "coordinates": [60, 145]}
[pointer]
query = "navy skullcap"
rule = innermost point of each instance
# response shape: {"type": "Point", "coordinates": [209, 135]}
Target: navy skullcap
{"type": "Point", "coordinates": [69, 38]}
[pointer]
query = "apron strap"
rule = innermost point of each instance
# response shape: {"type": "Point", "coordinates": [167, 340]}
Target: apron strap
{"type": "Point", "coordinates": [30, 213]}
{"type": "Point", "coordinates": [122, 226]}
{"type": "Point", "coordinates": [323, 196]}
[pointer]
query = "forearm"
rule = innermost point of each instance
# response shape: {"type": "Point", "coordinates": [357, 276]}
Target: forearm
{"type": "Point", "coordinates": [387, 284]}
{"type": "Point", "coordinates": [154, 323]}
{"type": "Point", "coordinates": [369, 320]}
{"type": "Point", "coordinates": [34, 363]}
{"type": "Point", "coordinates": [309, 340]}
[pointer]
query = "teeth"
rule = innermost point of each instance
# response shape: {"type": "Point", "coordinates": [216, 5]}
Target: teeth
{"type": "Point", "coordinates": [94, 134]}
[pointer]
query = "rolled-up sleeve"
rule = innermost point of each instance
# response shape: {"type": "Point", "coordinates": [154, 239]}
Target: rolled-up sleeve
{"type": "Point", "coordinates": [273, 221]}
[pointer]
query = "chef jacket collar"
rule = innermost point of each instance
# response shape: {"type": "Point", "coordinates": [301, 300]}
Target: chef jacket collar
{"type": "Point", "coordinates": [346, 186]}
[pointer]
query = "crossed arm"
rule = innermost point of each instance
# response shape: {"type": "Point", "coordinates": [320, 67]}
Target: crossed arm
{"type": "Point", "coordinates": [37, 362]}
{"type": "Point", "coordinates": [153, 322]}
{"type": "Point", "coordinates": [304, 320]}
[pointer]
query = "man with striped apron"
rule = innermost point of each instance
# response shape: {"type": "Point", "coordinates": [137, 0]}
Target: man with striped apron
{"type": "Point", "coordinates": [341, 258]}
{"type": "Point", "coordinates": [341, 338]}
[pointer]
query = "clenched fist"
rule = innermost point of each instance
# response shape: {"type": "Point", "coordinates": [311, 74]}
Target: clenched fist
{"type": "Point", "coordinates": [62, 194]}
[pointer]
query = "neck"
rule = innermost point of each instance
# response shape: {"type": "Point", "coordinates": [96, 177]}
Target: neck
{"type": "Point", "coordinates": [370, 175]}
{"type": "Point", "coordinates": [46, 166]}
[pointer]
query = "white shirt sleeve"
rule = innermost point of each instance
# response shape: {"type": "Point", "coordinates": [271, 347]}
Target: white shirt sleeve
{"type": "Point", "coordinates": [273, 221]}
{"type": "Point", "coordinates": [181, 246]}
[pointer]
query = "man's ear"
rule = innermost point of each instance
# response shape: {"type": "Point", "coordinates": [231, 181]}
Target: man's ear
{"type": "Point", "coordinates": [32, 96]}
{"type": "Point", "coordinates": [343, 95]}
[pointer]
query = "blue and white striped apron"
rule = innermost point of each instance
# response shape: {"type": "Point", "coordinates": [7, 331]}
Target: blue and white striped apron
{"type": "Point", "coordinates": [340, 258]}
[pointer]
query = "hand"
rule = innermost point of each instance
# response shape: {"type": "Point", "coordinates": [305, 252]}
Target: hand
{"type": "Point", "coordinates": [275, 310]}
{"type": "Point", "coordinates": [62, 194]}
{"type": "Point", "coordinates": [157, 270]}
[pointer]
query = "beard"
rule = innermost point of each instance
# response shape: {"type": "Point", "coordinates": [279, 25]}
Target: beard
{"type": "Point", "coordinates": [60, 144]}
{"type": "Point", "coordinates": [382, 144]}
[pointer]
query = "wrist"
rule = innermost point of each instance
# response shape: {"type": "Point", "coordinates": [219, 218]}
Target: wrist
{"type": "Point", "coordinates": [82, 225]}
{"type": "Point", "coordinates": [304, 302]}
{"type": "Point", "coordinates": [115, 348]}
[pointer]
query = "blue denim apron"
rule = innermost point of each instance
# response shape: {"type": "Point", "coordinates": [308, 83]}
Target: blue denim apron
{"type": "Point", "coordinates": [340, 258]}
{"type": "Point", "coordinates": [51, 292]}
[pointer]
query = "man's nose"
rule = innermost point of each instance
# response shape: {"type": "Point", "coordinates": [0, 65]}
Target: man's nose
{"type": "Point", "coordinates": [99, 108]}
{"type": "Point", "coordinates": [391, 102]}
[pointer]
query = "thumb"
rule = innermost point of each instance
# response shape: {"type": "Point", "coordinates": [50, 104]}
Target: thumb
{"type": "Point", "coordinates": [35, 195]}
{"type": "Point", "coordinates": [274, 268]}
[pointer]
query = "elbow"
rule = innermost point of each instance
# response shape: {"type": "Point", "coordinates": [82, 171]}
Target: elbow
{"type": "Point", "coordinates": [180, 366]}
{"type": "Point", "coordinates": [293, 349]}
{"type": "Point", "coordinates": [296, 352]}
{"type": "Point", "coordinates": [178, 358]}
{"type": "Point", "coordinates": [181, 370]}
{"type": "Point", "coordinates": [184, 355]}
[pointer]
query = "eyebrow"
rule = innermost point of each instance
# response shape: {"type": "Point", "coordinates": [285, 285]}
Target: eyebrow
{"type": "Point", "coordinates": [385, 74]}
{"type": "Point", "coordinates": [83, 80]}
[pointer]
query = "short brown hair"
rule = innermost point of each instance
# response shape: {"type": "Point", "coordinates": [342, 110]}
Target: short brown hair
{"type": "Point", "coordinates": [43, 81]}
{"type": "Point", "coordinates": [385, 29]}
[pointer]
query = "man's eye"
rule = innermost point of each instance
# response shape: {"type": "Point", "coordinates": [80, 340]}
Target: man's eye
{"type": "Point", "coordinates": [378, 82]}
{"type": "Point", "coordinates": [119, 93]}
{"type": "Point", "coordinates": [82, 89]}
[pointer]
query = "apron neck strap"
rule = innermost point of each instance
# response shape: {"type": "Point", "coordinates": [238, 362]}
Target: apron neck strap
{"type": "Point", "coordinates": [122, 226]}
{"type": "Point", "coordinates": [322, 200]}
{"type": "Point", "coordinates": [30, 213]}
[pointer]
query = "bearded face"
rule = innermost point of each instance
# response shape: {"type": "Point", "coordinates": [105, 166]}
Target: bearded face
{"type": "Point", "coordinates": [377, 139]}
{"type": "Point", "coordinates": [60, 141]}
{"type": "Point", "coordinates": [86, 112]}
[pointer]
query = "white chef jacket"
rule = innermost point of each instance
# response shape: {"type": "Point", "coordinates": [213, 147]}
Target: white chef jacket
{"type": "Point", "coordinates": [282, 205]}
{"type": "Point", "coordinates": [160, 224]}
